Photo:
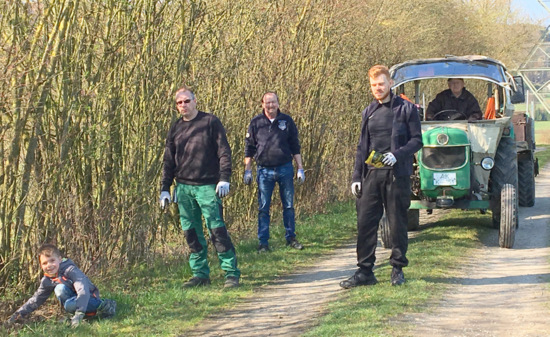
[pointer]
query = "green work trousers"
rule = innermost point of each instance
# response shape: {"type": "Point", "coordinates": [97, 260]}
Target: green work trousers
{"type": "Point", "coordinates": [194, 201]}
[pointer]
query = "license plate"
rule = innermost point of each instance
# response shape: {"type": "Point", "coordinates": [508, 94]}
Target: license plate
{"type": "Point", "coordinates": [444, 178]}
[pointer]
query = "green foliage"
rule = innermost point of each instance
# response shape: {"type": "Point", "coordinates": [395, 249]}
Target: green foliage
{"type": "Point", "coordinates": [86, 101]}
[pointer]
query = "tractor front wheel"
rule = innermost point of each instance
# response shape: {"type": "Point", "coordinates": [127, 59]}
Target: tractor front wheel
{"type": "Point", "coordinates": [508, 216]}
{"type": "Point", "coordinates": [413, 222]}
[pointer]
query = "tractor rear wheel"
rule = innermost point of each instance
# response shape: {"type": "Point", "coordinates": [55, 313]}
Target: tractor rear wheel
{"type": "Point", "coordinates": [526, 180]}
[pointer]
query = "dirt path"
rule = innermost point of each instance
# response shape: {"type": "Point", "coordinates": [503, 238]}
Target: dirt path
{"type": "Point", "coordinates": [271, 312]}
{"type": "Point", "coordinates": [503, 293]}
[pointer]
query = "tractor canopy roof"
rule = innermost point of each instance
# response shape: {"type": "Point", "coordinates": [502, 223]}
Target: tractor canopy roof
{"type": "Point", "coordinates": [470, 66]}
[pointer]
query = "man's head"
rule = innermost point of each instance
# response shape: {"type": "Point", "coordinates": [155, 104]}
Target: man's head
{"type": "Point", "coordinates": [380, 82]}
{"type": "Point", "coordinates": [50, 258]}
{"type": "Point", "coordinates": [270, 103]}
{"type": "Point", "coordinates": [456, 85]}
{"type": "Point", "coordinates": [186, 103]}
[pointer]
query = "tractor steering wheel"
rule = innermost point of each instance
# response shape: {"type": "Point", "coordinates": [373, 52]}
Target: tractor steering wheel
{"type": "Point", "coordinates": [449, 115]}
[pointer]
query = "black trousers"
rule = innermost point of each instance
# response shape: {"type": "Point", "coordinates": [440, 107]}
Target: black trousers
{"type": "Point", "coordinates": [380, 189]}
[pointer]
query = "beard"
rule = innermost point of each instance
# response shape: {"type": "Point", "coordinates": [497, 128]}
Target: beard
{"type": "Point", "coordinates": [381, 98]}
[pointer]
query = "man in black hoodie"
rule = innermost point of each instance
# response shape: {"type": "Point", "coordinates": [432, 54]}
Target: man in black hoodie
{"type": "Point", "coordinates": [197, 155]}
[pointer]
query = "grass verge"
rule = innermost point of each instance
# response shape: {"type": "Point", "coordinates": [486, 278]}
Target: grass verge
{"type": "Point", "coordinates": [435, 256]}
{"type": "Point", "coordinates": [543, 154]}
{"type": "Point", "coordinates": [151, 301]}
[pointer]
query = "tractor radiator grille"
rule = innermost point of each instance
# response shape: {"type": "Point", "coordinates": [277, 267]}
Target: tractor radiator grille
{"type": "Point", "coordinates": [447, 157]}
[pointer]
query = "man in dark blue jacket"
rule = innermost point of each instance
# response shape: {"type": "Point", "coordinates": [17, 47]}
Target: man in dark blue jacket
{"type": "Point", "coordinates": [272, 140]}
{"type": "Point", "coordinates": [391, 127]}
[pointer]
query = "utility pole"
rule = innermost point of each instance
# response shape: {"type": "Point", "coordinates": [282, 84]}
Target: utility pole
{"type": "Point", "coordinates": [535, 70]}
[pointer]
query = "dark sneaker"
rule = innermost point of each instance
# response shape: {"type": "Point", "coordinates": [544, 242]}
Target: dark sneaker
{"type": "Point", "coordinates": [295, 244]}
{"type": "Point", "coordinates": [107, 309]}
{"type": "Point", "coordinates": [231, 282]}
{"type": "Point", "coordinates": [359, 279]}
{"type": "Point", "coordinates": [196, 282]}
{"type": "Point", "coordinates": [397, 276]}
{"type": "Point", "coordinates": [263, 248]}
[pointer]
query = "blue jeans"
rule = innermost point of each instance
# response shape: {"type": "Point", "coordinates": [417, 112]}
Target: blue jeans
{"type": "Point", "coordinates": [267, 177]}
{"type": "Point", "coordinates": [67, 298]}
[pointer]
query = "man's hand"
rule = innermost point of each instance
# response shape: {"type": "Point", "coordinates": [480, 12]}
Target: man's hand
{"type": "Point", "coordinates": [356, 189]}
{"type": "Point", "coordinates": [222, 189]}
{"type": "Point", "coordinates": [389, 159]}
{"type": "Point", "coordinates": [77, 319]}
{"type": "Point", "coordinates": [247, 177]}
{"type": "Point", "coordinates": [300, 176]}
{"type": "Point", "coordinates": [164, 199]}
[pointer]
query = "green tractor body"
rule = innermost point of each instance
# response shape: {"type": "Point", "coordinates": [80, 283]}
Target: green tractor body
{"type": "Point", "coordinates": [470, 164]}
{"type": "Point", "coordinates": [444, 164]}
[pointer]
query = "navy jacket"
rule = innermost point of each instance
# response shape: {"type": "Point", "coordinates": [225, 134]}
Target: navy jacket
{"type": "Point", "coordinates": [272, 144]}
{"type": "Point", "coordinates": [406, 137]}
{"type": "Point", "coordinates": [72, 277]}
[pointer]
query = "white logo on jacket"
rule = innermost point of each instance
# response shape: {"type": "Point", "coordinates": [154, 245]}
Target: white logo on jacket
{"type": "Point", "coordinates": [282, 125]}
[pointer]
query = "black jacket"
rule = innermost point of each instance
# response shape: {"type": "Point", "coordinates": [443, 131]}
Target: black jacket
{"type": "Point", "coordinates": [272, 144]}
{"type": "Point", "coordinates": [466, 104]}
{"type": "Point", "coordinates": [406, 137]}
{"type": "Point", "coordinates": [196, 152]}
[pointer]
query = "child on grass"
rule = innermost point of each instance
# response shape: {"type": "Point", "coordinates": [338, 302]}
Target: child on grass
{"type": "Point", "coordinates": [74, 290]}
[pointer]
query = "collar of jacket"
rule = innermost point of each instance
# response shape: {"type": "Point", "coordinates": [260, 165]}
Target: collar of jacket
{"type": "Point", "coordinates": [375, 104]}
{"type": "Point", "coordinates": [278, 114]}
{"type": "Point", "coordinates": [462, 94]}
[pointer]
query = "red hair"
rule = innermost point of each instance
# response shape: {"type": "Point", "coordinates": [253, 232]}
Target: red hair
{"type": "Point", "coordinates": [378, 70]}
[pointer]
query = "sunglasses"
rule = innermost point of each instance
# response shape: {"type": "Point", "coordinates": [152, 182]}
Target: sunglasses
{"type": "Point", "coordinates": [186, 101]}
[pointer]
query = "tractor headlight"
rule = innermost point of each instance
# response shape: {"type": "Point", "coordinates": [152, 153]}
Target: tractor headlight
{"type": "Point", "coordinates": [442, 139]}
{"type": "Point", "coordinates": [487, 163]}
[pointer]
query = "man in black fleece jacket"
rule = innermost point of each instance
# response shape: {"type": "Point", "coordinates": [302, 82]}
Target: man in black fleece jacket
{"type": "Point", "coordinates": [198, 156]}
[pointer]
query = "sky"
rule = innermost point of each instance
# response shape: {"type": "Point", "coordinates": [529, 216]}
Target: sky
{"type": "Point", "coordinates": [533, 8]}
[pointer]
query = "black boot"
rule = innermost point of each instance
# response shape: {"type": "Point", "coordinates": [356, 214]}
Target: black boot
{"type": "Point", "coordinates": [360, 278]}
{"type": "Point", "coordinates": [397, 276]}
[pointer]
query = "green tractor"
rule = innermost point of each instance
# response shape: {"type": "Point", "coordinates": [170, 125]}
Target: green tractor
{"type": "Point", "coordinates": [470, 164]}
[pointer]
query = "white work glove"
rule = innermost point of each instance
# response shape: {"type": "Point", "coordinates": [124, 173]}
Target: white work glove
{"type": "Point", "coordinates": [300, 176]}
{"type": "Point", "coordinates": [389, 159]}
{"type": "Point", "coordinates": [356, 188]}
{"type": "Point", "coordinates": [247, 177]}
{"type": "Point", "coordinates": [222, 189]}
{"type": "Point", "coordinates": [164, 199]}
{"type": "Point", "coordinates": [77, 319]}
